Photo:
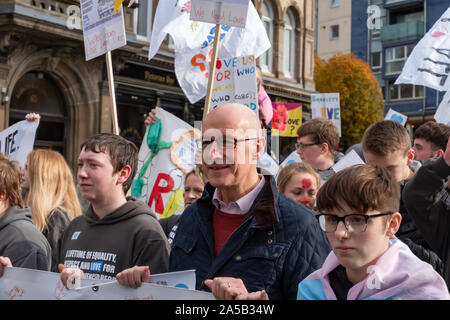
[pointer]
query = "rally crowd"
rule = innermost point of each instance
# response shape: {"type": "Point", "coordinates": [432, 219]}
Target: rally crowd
{"type": "Point", "coordinates": [247, 235]}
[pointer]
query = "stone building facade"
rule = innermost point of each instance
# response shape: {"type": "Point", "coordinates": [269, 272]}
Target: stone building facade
{"type": "Point", "coordinates": [43, 69]}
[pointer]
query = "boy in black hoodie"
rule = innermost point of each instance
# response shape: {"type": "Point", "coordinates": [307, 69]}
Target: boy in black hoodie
{"type": "Point", "coordinates": [20, 241]}
{"type": "Point", "coordinates": [115, 233]}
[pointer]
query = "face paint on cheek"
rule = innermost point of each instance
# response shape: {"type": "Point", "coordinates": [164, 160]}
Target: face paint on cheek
{"type": "Point", "coordinates": [306, 183]}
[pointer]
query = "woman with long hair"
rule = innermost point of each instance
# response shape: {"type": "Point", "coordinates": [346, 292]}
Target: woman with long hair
{"type": "Point", "coordinates": [52, 197]}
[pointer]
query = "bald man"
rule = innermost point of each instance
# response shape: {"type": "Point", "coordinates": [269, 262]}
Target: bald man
{"type": "Point", "coordinates": [242, 226]}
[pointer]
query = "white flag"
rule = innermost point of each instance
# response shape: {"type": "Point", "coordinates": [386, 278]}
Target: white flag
{"type": "Point", "coordinates": [442, 114]}
{"type": "Point", "coordinates": [193, 43]}
{"type": "Point", "coordinates": [429, 63]}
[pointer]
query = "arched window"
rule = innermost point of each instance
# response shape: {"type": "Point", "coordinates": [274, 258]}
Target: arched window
{"type": "Point", "coordinates": [267, 19]}
{"type": "Point", "coordinates": [38, 92]}
{"type": "Point", "coordinates": [289, 45]}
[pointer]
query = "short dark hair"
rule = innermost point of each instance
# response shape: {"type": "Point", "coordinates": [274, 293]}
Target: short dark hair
{"type": "Point", "coordinates": [384, 137]}
{"type": "Point", "coordinates": [321, 130]}
{"type": "Point", "coordinates": [362, 188]}
{"type": "Point", "coordinates": [10, 182]}
{"type": "Point", "coordinates": [436, 134]}
{"type": "Point", "coordinates": [121, 151]}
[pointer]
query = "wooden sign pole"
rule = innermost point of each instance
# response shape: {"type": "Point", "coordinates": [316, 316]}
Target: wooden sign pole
{"type": "Point", "coordinates": [112, 92]}
{"type": "Point", "coordinates": [212, 71]}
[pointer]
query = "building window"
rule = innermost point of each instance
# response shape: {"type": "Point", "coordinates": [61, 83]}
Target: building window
{"type": "Point", "coordinates": [375, 60]}
{"type": "Point", "coordinates": [334, 31]}
{"type": "Point", "coordinates": [335, 3]}
{"type": "Point", "coordinates": [289, 44]}
{"type": "Point", "coordinates": [267, 19]}
{"type": "Point", "coordinates": [396, 58]}
{"type": "Point", "coordinates": [405, 91]}
{"type": "Point", "coordinates": [143, 19]}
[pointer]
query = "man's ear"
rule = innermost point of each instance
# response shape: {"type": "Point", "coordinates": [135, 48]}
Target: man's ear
{"type": "Point", "coordinates": [324, 148]}
{"type": "Point", "coordinates": [411, 155]}
{"type": "Point", "coordinates": [393, 224]}
{"type": "Point", "coordinates": [438, 153]}
{"type": "Point", "coordinates": [123, 174]}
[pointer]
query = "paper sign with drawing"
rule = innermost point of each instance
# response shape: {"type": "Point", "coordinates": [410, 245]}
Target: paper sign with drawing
{"type": "Point", "coordinates": [287, 118]}
{"type": "Point", "coordinates": [167, 153]}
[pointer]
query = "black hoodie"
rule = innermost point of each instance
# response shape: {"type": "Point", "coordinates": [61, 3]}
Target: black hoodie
{"type": "Point", "coordinates": [129, 236]}
{"type": "Point", "coordinates": [21, 242]}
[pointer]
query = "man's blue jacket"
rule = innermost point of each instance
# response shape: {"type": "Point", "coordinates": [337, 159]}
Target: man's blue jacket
{"type": "Point", "coordinates": [278, 244]}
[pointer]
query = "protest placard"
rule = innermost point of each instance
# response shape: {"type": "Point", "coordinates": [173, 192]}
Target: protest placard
{"type": "Point", "coordinates": [327, 106]}
{"type": "Point", "coordinates": [396, 117]}
{"type": "Point", "coordinates": [167, 153]}
{"type": "Point", "coordinates": [442, 114]}
{"type": "Point", "coordinates": [287, 118]}
{"type": "Point", "coordinates": [103, 30]}
{"type": "Point", "coordinates": [18, 140]}
{"type": "Point", "coordinates": [225, 12]}
{"type": "Point", "coordinates": [28, 284]}
{"type": "Point", "coordinates": [235, 81]}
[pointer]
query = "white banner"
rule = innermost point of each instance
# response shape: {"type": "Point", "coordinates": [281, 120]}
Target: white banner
{"type": "Point", "coordinates": [27, 284]}
{"type": "Point", "coordinates": [428, 64]}
{"type": "Point", "coordinates": [18, 140]}
{"type": "Point", "coordinates": [442, 114]}
{"type": "Point", "coordinates": [235, 81]}
{"type": "Point", "coordinates": [228, 12]}
{"type": "Point", "coordinates": [327, 105]}
{"type": "Point", "coordinates": [163, 179]}
{"type": "Point", "coordinates": [193, 43]}
{"type": "Point", "coordinates": [103, 30]}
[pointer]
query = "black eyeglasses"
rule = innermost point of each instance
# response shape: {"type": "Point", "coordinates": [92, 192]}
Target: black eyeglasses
{"type": "Point", "coordinates": [303, 146]}
{"type": "Point", "coordinates": [355, 223]}
{"type": "Point", "coordinates": [225, 142]}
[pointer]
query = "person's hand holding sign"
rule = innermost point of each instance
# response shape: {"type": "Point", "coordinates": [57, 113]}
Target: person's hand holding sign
{"type": "Point", "coordinates": [4, 262]}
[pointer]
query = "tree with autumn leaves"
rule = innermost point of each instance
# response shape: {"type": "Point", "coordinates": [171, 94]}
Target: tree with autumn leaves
{"type": "Point", "coordinates": [361, 99]}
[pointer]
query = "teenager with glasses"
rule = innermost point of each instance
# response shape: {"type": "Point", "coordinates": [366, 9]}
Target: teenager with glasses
{"type": "Point", "coordinates": [318, 140]}
{"type": "Point", "coordinates": [359, 214]}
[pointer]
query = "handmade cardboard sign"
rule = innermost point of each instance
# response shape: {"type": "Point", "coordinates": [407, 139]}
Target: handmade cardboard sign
{"type": "Point", "coordinates": [235, 82]}
{"type": "Point", "coordinates": [103, 30]}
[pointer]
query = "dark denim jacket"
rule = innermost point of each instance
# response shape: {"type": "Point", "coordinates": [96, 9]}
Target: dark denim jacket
{"type": "Point", "coordinates": [278, 244]}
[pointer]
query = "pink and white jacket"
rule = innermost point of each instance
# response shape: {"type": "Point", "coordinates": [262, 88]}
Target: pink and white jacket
{"type": "Point", "coordinates": [397, 275]}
